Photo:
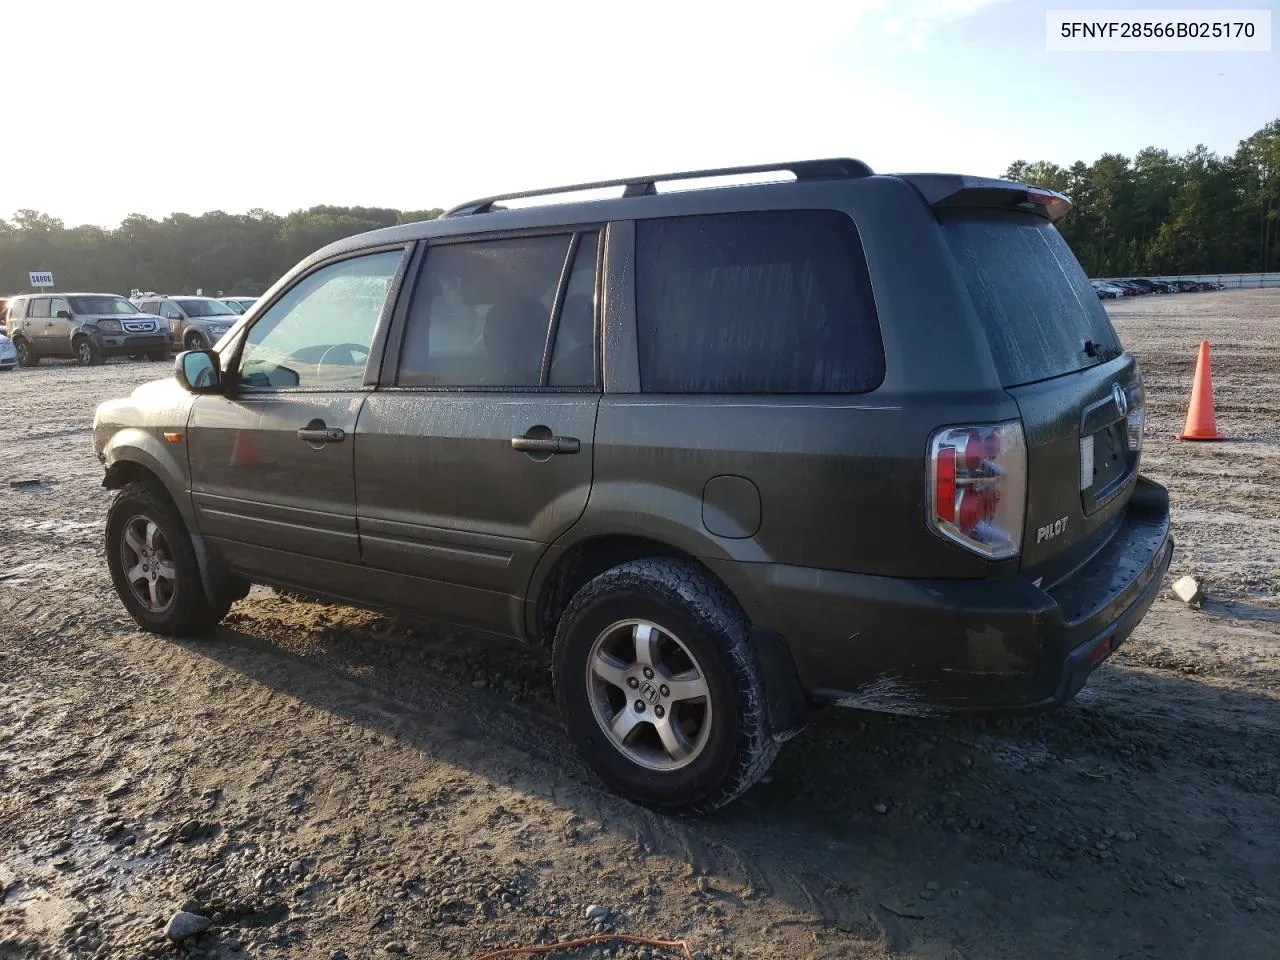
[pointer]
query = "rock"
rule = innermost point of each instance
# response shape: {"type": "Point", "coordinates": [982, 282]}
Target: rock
{"type": "Point", "coordinates": [1126, 836]}
{"type": "Point", "coordinates": [927, 894]}
{"type": "Point", "coordinates": [182, 925]}
{"type": "Point", "coordinates": [597, 913]}
{"type": "Point", "coordinates": [1180, 882]}
{"type": "Point", "coordinates": [338, 955]}
{"type": "Point", "coordinates": [701, 885]}
{"type": "Point", "coordinates": [880, 808]}
{"type": "Point", "coordinates": [933, 885]}
{"type": "Point", "coordinates": [1187, 589]}
{"type": "Point", "coordinates": [188, 830]}
{"type": "Point", "coordinates": [394, 946]}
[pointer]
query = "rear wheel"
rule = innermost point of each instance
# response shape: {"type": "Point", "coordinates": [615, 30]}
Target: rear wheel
{"type": "Point", "coordinates": [659, 686]}
{"type": "Point", "coordinates": [153, 564]}
{"type": "Point", "coordinates": [27, 355]}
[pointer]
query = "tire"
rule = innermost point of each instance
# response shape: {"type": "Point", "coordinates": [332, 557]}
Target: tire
{"type": "Point", "coordinates": [27, 356]}
{"type": "Point", "coordinates": [195, 341]}
{"type": "Point", "coordinates": [87, 354]}
{"type": "Point", "coordinates": [181, 608]}
{"type": "Point", "coordinates": [695, 615]}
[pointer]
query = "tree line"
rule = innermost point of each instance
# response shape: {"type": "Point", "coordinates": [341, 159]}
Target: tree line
{"type": "Point", "coordinates": [1153, 214]}
{"type": "Point", "coordinates": [1163, 214]}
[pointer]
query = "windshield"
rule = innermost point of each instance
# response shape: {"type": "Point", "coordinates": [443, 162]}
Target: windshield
{"type": "Point", "coordinates": [206, 308]}
{"type": "Point", "coordinates": [1042, 317]}
{"type": "Point", "coordinates": [100, 305]}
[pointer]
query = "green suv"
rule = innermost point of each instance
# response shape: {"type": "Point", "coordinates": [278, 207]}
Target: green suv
{"type": "Point", "coordinates": [730, 454]}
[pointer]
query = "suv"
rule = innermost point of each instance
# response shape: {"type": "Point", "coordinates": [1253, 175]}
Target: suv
{"type": "Point", "coordinates": [87, 326]}
{"type": "Point", "coordinates": [195, 322]}
{"type": "Point", "coordinates": [729, 453]}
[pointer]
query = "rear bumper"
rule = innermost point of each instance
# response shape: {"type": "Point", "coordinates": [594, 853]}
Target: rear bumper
{"type": "Point", "coordinates": [954, 646]}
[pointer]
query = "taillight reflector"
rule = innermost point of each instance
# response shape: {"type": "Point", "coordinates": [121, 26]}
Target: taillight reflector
{"type": "Point", "coordinates": [945, 484]}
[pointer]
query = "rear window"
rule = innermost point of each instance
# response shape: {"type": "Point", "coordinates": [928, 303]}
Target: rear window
{"type": "Point", "coordinates": [1032, 295]}
{"type": "Point", "coordinates": [764, 302]}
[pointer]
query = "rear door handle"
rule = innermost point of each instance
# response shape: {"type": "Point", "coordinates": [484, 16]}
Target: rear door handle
{"type": "Point", "coordinates": [546, 444]}
{"type": "Point", "coordinates": [322, 434]}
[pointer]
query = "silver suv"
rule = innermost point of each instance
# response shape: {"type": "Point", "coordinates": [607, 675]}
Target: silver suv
{"type": "Point", "coordinates": [197, 323]}
{"type": "Point", "coordinates": [87, 326]}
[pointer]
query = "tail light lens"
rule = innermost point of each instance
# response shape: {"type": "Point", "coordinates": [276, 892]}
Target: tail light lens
{"type": "Point", "coordinates": [978, 487]}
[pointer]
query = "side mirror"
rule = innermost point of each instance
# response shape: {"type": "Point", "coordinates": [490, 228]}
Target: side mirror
{"type": "Point", "coordinates": [199, 371]}
{"type": "Point", "coordinates": [64, 315]}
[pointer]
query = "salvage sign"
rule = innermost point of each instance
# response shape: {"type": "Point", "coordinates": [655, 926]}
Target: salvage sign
{"type": "Point", "coordinates": [41, 278]}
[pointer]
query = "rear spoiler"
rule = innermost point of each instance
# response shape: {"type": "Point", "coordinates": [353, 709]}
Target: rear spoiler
{"type": "Point", "coordinates": [942, 190]}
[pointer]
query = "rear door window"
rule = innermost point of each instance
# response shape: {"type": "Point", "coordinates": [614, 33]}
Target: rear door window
{"type": "Point", "coordinates": [39, 308]}
{"type": "Point", "coordinates": [774, 301]}
{"type": "Point", "coordinates": [1041, 314]}
{"type": "Point", "coordinates": [481, 313]}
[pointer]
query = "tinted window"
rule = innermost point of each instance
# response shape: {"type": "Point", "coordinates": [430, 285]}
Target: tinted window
{"type": "Point", "coordinates": [39, 308]}
{"type": "Point", "coordinates": [1031, 294]}
{"type": "Point", "coordinates": [573, 361]}
{"type": "Point", "coordinates": [205, 308]}
{"type": "Point", "coordinates": [319, 333]}
{"type": "Point", "coordinates": [764, 302]}
{"type": "Point", "coordinates": [149, 306]}
{"type": "Point", "coordinates": [481, 312]}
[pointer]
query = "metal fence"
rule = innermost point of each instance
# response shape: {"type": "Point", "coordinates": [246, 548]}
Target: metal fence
{"type": "Point", "coordinates": [1229, 281]}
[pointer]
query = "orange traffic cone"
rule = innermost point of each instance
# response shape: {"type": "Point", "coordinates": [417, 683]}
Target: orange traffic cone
{"type": "Point", "coordinates": [1200, 420]}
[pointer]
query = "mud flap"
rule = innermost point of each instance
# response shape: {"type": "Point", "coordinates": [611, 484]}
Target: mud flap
{"type": "Point", "coordinates": [789, 711]}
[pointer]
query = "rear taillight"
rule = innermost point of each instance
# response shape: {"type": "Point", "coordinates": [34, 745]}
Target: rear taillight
{"type": "Point", "coordinates": [978, 487]}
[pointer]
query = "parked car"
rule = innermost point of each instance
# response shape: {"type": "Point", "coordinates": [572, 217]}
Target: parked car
{"type": "Point", "coordinates": [1107, 291]}
{"type": "Point", "coordinates": [8, 353]}
{"type": "Point", "coordinates": [196, 323]}
{"type": "Point", "coordinates": [239, 304]}
{"type": "Point", "coordinates": [87, 326]}
{"type": "Point", "coordinates": [720, 450]}
{"type": "Point", "coordinates": [1131, 288]}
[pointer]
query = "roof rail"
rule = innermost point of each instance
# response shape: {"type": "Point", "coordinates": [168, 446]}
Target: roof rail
{"type": "Point", "coordinates": [834, 168]}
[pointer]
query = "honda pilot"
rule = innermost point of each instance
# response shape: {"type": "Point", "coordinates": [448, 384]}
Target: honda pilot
{"type": "Point", "coordinates": [729, 454]}
{"type": "Point", "coordinates": [86, 326]}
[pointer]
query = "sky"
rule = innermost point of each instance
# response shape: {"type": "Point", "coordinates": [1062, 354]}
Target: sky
{"type": "Point", "coordinates": [191, 106]}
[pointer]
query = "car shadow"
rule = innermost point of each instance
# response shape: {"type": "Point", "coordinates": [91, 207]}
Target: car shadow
{"type": "Point", "coordinates": [913, 834]}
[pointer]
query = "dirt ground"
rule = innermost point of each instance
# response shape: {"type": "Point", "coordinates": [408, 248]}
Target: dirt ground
{"type": "Point", "coordinates": [321, 782]}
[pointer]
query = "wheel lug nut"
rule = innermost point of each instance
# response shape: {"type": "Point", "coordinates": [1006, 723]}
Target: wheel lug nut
{"type": "Point", "coordinates": [658, 712]}
{"type": "Point", "coordinates": [666, 691]}
{"type": "Point", "coordinates": [632, 682]}
{"type": "Point", "coordinates": [648, 673]}
{"type": "Point", "coordinates": [639, 706]}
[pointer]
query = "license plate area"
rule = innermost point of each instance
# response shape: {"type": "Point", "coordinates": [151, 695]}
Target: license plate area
{"type": "Point", "coordinates": [1106, 464]}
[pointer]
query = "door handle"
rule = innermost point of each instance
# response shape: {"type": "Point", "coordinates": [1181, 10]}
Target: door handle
{"type": "Point", "coordinates": [322, 434]}
{"type": "Point", "coordinates": [546, 444]}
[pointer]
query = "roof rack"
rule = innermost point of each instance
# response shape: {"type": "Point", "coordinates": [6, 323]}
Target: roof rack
{"type": "Point", "coordinates": [834, 168]}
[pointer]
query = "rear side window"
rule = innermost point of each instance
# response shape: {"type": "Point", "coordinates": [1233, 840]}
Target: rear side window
{"type": "Point", "coordinates": [1032, 296]}
{"type": "Point", "coordinates": [771, 301]}
{"type": "Point", "coordinates": [17, 310]}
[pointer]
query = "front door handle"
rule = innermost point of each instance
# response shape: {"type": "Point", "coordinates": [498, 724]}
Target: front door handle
{"type": "Point", "coordinates": [546, 444]}
{"type": "Point", "coordinates": [322, 434]}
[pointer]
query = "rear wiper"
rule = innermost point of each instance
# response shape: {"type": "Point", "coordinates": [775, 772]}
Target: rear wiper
{"type": "Point", "coordinates": [1103, 354]}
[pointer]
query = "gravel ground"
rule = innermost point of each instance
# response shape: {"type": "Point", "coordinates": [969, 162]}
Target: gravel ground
{"type": "Point", "coordinates": [321, 782]}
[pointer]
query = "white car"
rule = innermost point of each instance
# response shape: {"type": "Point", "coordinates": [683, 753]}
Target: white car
{"type": "Point", "coordinates": [239, 304]}
{"type": "Point", "coordinates": [8, 353]}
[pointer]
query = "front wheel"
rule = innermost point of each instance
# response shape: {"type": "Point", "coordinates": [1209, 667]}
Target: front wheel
{"type": "Point", "coordinates": [153, 564]}
{"type": "Point", "coordinates": [87, 355]}
{"type": "Point", "coordinates": [659, 686]}
{"type": "Point", "coordinates": [195, 341]}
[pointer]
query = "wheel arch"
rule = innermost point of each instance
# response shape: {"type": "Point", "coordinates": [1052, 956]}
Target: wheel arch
{"type": "Point", "coordinates": [566, 568]}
